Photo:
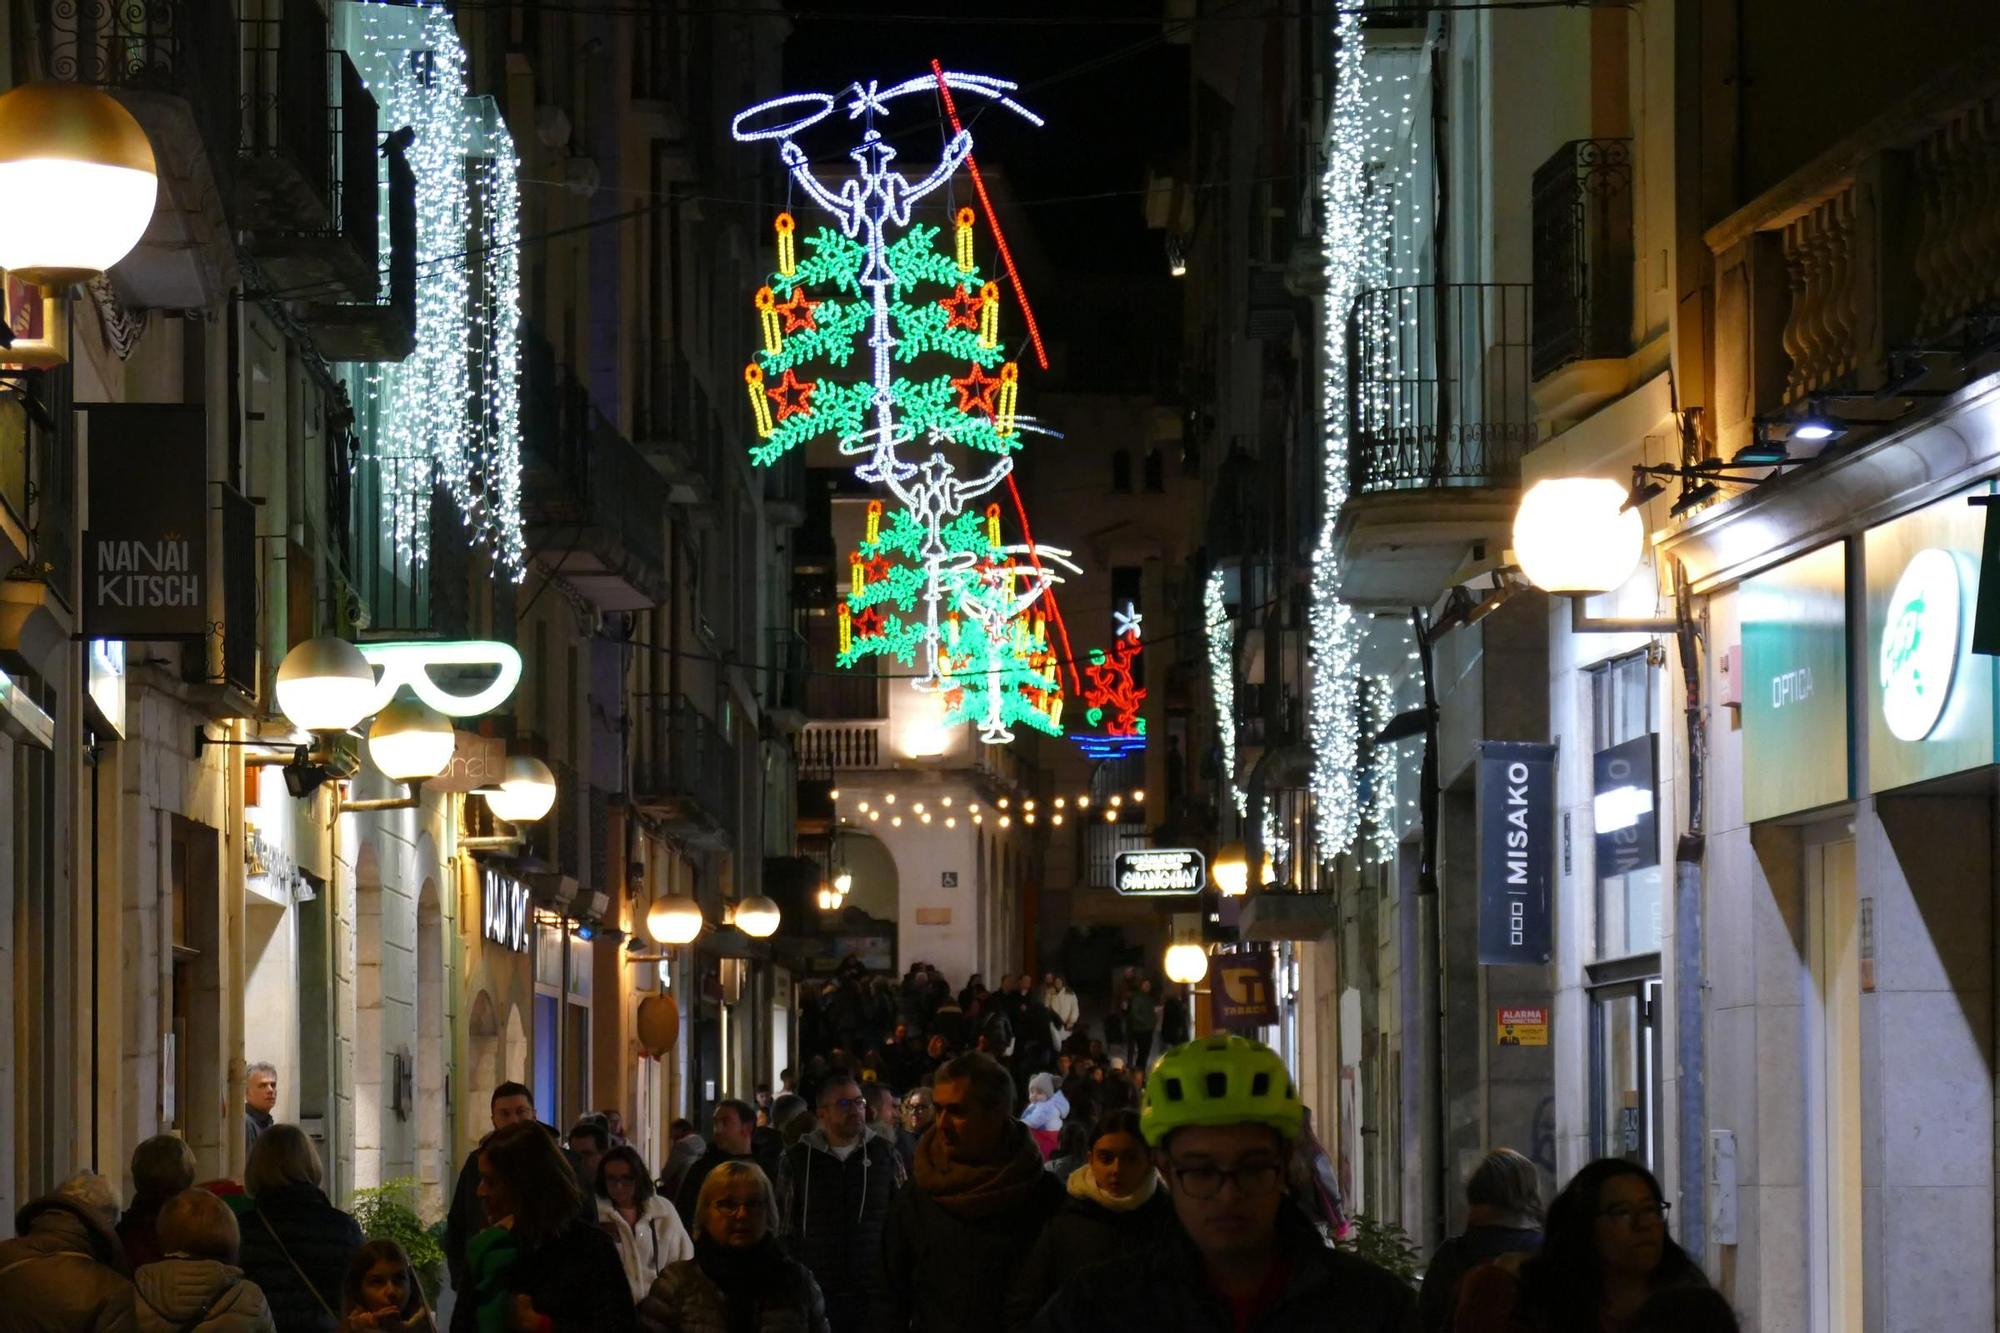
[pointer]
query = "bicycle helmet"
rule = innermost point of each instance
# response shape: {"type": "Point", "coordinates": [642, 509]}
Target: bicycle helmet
{"type": "Point", "coordinates": [1219, 1080]}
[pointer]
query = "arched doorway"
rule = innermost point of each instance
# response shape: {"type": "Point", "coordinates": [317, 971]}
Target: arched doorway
{"type": "Point", "coordinates": [369, 1074]}
{"type": "Point", "coordinates": [514, 1058]}
{"type": "Point", "coordinates": [483, 1055]}
{"type": "Point", "coordinates": [433, 1054]}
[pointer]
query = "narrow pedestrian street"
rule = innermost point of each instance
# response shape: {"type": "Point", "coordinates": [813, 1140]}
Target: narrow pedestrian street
{"type": "Point", "coordinates": [758, 666]}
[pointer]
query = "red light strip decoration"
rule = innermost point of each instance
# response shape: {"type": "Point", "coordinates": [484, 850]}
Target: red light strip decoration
{"type": "Point", "coordinates": [993, 221]}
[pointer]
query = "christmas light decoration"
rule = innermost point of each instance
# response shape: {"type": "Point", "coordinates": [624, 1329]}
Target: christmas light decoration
{"type": "Point", "coordinates": [1111, 697]}
{"type": "Point", "coordinates": [1355, 207]}
{"type": "Point", "coordinates": [767, 319]}
{"type": "Point", "coordinates": [1222, 680]}
{"type": "Point", "coordinates": [425, 409]}
{"type": "Point", "coordinates": [963, 223]}
{"type": "Point", "coordinates": [785, 225]}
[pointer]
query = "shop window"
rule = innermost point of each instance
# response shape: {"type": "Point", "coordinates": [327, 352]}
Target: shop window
{"type": "Point", "coordinates": [1625, 790]}
{"type": "Point", "coordinates": [1627, 1096]}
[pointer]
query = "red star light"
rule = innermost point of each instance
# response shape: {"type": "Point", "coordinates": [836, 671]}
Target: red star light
{"type": "Point", "coordinates": [975, 391]}
{"type": "Point", "coordinates": [867, 623]}
{"type": "Point", "coordinates": [798, 312]}
{"type": "Point", "coordinates": [876, 569]}
{"type": "Point", "coordinates": [963, 306]}
{"type": "Point", "coordinates": [792, 396]}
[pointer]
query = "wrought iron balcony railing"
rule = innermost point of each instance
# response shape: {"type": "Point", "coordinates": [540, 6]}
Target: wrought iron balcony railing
{"type": "Point", "coordinates": [1439, 394]}
{"type": "Point", "coordinates": [1583, 254]}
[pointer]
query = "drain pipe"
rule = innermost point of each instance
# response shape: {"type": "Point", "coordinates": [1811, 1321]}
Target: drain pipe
{"type": "Point", "coordinates": [1690, 1045]}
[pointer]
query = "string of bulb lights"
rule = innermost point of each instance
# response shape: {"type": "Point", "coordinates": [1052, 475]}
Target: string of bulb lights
{"type": "Point", "coordinates": [1111, 808]}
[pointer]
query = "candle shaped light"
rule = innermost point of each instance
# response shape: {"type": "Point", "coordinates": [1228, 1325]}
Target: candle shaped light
{"type": "Point", "coordinates": [788, 262]}
{"type": "Point", "coordinates": [964, 221]}
{"type": "Point", "coordinates": [989, 315]}
{"type": "Point", "coordinates": [874, 522]}
{"type": "Point", "coordinates": [846, 628]}
{"type": "Point", "coordinates": [767, 316]}
{"type": "Point", "coordinates": [760, 406]}
{"type": "Point", "coordinates": [993, 524]}
{"type": "Point", "coordinates": [857, 576]}
{"type": "Point", "coordinates": [1010, 394]}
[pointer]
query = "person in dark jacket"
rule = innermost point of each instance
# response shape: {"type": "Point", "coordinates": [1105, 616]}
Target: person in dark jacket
{"type": "Point", "coordinates": [162, 1167]}
{"type": "Point", "coordinates": [510, 1103]}
{"type": "Point", "coordinates": [296, 1245]}
{"type": "Point", "coordinates": [740, 1277]}
{"type": "Point", "coordinates": [1504, 1216]}
{"type": "Point", "coordinates": [260, 1098]}
{"type": "Point", "coordinates": [977, 1204]}
{"type": "Point", "coordinates": [1221, 1115]}
{"type": "Point", "coordinates": [835, 1189]}
{"type": "Point", "coordinates": [64, 1268]}
{"type": "Point", "coordinates": [1116, 1208]}
{"type": "Point", "coordinates": [539, 1265]}
{"type": "Point", "coordinates": [732, 1138]}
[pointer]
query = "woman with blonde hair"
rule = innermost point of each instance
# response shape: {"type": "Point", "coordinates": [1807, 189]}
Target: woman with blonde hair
{"type": "Point", "coordinates": [739, 1278]}
{"type": "Point", "coordinates": [296, 1244]}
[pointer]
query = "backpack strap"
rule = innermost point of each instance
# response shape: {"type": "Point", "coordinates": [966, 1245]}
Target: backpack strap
{"type": "Point", "coordinates": [295, 1265]}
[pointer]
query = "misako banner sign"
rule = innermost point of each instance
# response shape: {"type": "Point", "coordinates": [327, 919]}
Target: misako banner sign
{"type": "Point", "coordinates": [1516, 803]}
{"type": "Point", "coordinates": [145, 549]}
{"type": "Point", "coordinates": [1242, 994]}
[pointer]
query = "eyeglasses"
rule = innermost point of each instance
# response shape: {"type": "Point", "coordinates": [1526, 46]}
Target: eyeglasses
{"type": "Point", "coordinates": [747, 1207]}
{"type": "Point", "coordinates": [1630, 1214]}
{"type": "Point", "coordinates": [843, 1104]}
{"type": "Point", "coordinates": [1205, 1182]}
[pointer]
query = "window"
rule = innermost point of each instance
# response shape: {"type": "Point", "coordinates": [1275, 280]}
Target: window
{"type": "Point", "coordinates": [1625, 815]}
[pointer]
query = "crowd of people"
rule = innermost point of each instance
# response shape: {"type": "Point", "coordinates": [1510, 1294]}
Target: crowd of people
{"type": "Point", "coordinates": [970, 1161]}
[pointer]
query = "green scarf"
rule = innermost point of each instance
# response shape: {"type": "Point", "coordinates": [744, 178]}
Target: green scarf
{"type": "Point", "coordinates": [491, 1256]}
{"type": "Point", "coordinates": [977, 1190]}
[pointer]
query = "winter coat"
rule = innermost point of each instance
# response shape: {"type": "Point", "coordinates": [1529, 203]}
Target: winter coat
{"type": "Point", "coordinates": [1085, 1233]}
{"type": "Point", "coordinates": [1437, 1301]}
{"type": "Point", "coordinates": [138, 1230]}
{"type": "Point", "coordinates": [1166, 1286]}
{"type": "Point", "coordinates": [684, 1300]}
{"type": "Point", "coordinates": [574, 1278]}
{"type": "Point", "coordinates": [320, 1240]}
{"type": "Point", "coordinates": [64, 1272]}
{"type": "Point", "coordinates": [1064, 1008]}
{"type": "Point", "coordinates": [950, 1274]}
{"type": "Point", "coordinates": [832, 1214]}
{"type": "Point", "coordinates": [173, 1292]}
{"type": "Point", "coordinates": [671, 1243]}
{"type": "Point", "coordinates": [1140, 1013]}
{"type": "Point", "coordinates": [255, 1122]}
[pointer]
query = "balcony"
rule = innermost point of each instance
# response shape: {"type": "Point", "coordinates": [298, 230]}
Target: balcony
{"type": "Point", "coordinates": [1582, 218]}
{"type": "Point", "coordinates": [1438, 418]}
{"type": "Point", "coordinates": [174, 65]}
{"type": "Point", "coordinates": [1870, 272]}
{"type": "Point", "coordinates": [685, 774]}
{"type": "Point", "coordinates": [591, 502]}
{"type": "Point", "coordinates": [307, 193]}
{"type": "Point", "coordinates": [835, 747]}
{"type": "Point", "coordinates": [377, 330]}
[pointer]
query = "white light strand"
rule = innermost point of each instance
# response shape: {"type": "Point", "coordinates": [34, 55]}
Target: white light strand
{"type": "Point", "coordinates": [1383, 767]}
{"type": "Point", "coordinates": [428, 428]}
{"type": "Point", "coordinates": [1222, 679]}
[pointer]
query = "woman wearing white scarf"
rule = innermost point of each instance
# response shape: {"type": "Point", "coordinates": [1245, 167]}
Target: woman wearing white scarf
{"type": "Point", "coordinates": [1116, 1208]}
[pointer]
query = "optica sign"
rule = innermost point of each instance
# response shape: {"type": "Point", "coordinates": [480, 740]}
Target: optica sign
{"type": "Point", "coordinates": [411, 664]}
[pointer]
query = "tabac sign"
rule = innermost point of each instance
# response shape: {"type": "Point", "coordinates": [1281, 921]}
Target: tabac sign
{"type": "Point", "coordinates": [1159, 872]}
{"type": "Point", "coordinates": [145, 547]}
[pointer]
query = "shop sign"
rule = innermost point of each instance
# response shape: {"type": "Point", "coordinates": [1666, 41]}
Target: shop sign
{"type": "Point", "coordinates": [1522, 1025]}
{"type": "Point", "coordinates": [1243, 996]}
{"type": "Point", "coordinates": [1796, 754]}
{"type": "Point", "coordinates": [506, 910]}
{"type": "Point", "coordinates": [1516, 804]}
{"type": "Point", "coordinates": [105, 683]}
{"type": "Point", "coordinates": [411, 664]}
{"type": "Point", "coordinates": [264, 859]}
{"type": "Point", "coordinates": [476, 761]}
{"type": "Point", "coordinates": [1159, 872]}
{"type": "Point", "coordinates": [1930, 695]}
{"type": "Point", "coordinates": [146, 547]}
{"type": "Point", "coordinates": [1624, 801]}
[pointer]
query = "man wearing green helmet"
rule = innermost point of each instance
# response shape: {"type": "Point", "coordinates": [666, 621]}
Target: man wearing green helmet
{"type": "Point", "coordinates": [1221, 1115]}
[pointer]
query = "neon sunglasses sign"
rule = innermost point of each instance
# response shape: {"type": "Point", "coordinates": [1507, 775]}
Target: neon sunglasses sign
{"type": "Point", "coordinates": [410, 664]}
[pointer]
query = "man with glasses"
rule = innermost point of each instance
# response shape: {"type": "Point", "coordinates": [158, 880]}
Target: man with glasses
{"type": "Point", "coordinates": [1221, 1116]}
{"type": "Point", "coordinates": [978, 1201]}
{"type": "Point", "coordinates": [835, 1187]}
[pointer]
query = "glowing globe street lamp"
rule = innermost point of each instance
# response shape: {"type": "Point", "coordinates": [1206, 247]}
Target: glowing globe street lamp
{"type": "Point", "coordinates": [527, 791]}
{"type": "Point", "coordinates": [1577, 535]}
{"type": "Point", "coordinates": [79, 178]}
{"type": "Point", "coordinates": [673, 920]}
{"type": "Point", "coordinates": [324, 684]}
{"type": "Point", "coordinates": [757, 917]}
{"type": "Point", "coordinates": [411, 743]}
{"type": "Point", "coordinates": [1185, 964]}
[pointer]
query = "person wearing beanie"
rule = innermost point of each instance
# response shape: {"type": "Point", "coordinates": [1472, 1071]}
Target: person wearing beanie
{"type": "Point", "coordinates": [65, 1267]}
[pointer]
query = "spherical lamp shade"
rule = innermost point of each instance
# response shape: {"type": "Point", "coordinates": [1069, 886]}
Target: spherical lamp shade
{"type": "Point", "coordinates": [527, 791]}
{"type": "Point", "coordinates": [1574, 534]}
{"type": "Point", "coordinates": [1186, 963]}
{"type": "Point", "coordinates": [78, 175]}
{"type": "Point", "coordinates": [1231, 871]}
{"type": "Point", "coordinates": [757, 917]}
{"type": "Point", "coordinates": [411, 743]}
{"type": "Point", "coordinates": [673, 920]}
{"type": "Point", "coordinates": [324, 684]}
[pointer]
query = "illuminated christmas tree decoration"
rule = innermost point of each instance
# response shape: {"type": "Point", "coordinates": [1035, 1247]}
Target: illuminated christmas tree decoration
{"type": "Point", "coordinates": [798, 313]}
{"type": "Point", "coordinates": [975, 391]}
{"type": "Point", "coordinates": [449, 415]}
{"type": "Point", "coordinates": [963, 223]}
{"type": "Point", "coordinates": [760, 407]}
{"type": "Point", "coordinates": [767, 318]}
{"type": "Point", "coordinates": [964, 310]}
{"type": "Point", "coordinates": [1111, 697]}
{"type": "Point", "coordinates": [792, 396]}
{"type": "Point", "coordinates": [788, 260]}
